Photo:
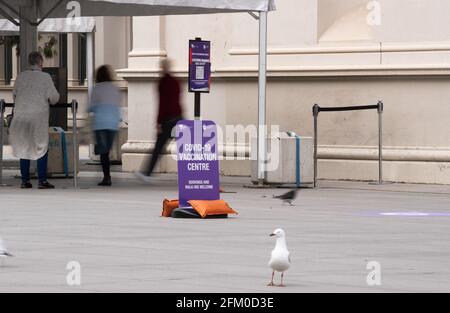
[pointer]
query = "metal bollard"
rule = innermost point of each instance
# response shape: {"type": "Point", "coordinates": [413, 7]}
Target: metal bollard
{"type": "Point", "coordinates": [316, 110]}
{"type": "Point", "coordinates": [380, 142]}
{"type": "Point", "coordinates": [379, 107]}
{"type": "Point", "coordinates": [75, 143]}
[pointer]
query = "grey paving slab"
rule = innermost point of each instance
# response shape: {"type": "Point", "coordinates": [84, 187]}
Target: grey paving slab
{"type": "Point", "coordinates": [123, 245]}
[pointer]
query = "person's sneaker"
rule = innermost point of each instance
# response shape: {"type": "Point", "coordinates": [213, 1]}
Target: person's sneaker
{"type": "Point", "coordinates": [105, 183]}
{"type": "Point", "coordinates": [26, 185]}
{"type": "Point", "coordinates": [142, 177]}
{"type": "Point", "coordinates": [46, 185]}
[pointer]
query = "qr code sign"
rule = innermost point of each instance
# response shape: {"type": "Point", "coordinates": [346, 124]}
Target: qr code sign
{"type": "Point", "coordinates": [199, 72]}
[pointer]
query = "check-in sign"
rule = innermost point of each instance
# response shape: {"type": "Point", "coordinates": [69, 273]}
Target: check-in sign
{"type": "Point", "coordinates": [199, 66]}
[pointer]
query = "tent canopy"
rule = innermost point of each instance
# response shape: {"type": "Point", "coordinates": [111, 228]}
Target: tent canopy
{"type": "Point", "coordinates": [62, 8]}
{"type": "Point", "coordinates": [52, 25]}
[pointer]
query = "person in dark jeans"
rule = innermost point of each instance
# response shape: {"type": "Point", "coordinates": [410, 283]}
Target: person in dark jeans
{"type": "Point", "coordinates": [105, 105]}
{"type": "Point", "coordinates": [105, 140]}
{"type": "Point", "coordinates": [169, 114]}
{"type": "Point", "coordinates": [42, 172]}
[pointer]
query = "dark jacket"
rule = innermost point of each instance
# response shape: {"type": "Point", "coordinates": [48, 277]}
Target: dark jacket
{"type": "Point", "coordinates": [169, 99]}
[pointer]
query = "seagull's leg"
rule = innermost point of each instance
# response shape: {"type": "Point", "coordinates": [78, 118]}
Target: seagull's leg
{"type": "Point", "coordinates": [282, 276]}
{"type": "Point", "coordinates": [271, 284]}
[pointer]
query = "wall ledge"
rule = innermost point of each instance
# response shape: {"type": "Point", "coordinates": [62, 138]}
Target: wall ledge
{"type": "Point", "coordinates": [348, 49]}
{"type": "Point", "coordinates": [357, 153]}
{"type": "Point", "coordinates": [304, 71]}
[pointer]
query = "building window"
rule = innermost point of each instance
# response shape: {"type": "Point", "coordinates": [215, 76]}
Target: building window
{"type": "Point", "coordinates": [9, 44]}
{"type": "Point", "coordinates": [82, 42]}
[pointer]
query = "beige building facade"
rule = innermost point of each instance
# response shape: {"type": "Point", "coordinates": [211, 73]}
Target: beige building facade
{"type": "Point", "coordinates": [334, 53]}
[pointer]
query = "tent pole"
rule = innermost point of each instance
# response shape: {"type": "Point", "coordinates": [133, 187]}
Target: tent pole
{"type": "Point", "coordinates": [9, 17]}
{"type": "Point", "coordinates": [262, 128]}
{"type": "Point", "coordinates": [46, 15]}
{"type": "Point", "coordinates": [28, 34]}
{"type": "Point", "coordinates": [2, 110]}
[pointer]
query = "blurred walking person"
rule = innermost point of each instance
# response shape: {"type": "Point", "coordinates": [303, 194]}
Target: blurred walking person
{"type": "Point", "coordinates": [33, 93]}
{"type": "Point", "coordinates": [169, 114]}
{"type": "Point", "coordinates": [105, 106]}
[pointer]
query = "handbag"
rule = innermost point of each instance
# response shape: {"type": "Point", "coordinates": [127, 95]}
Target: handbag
{"type": "Point", "coordinates": [8, 120]}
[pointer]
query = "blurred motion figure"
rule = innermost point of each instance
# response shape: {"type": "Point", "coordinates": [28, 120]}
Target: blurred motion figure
{"type": "Point", "coordinates": [169, 114]}
{"type": "Point", "coordinates": [105, 106]}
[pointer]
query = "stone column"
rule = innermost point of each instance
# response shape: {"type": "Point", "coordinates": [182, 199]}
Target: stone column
{"type": "Point", "coordinates": [72, 59]}
{"type": "Point", "coordinates": [112, 46]}
{"type": "Point", "coordinates": [142, 76]}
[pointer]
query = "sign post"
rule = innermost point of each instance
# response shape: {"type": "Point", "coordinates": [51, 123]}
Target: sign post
{"type": "Point", "coordinates": [199, 71]}
{"type": "Point", "coordinates": [197, 147]}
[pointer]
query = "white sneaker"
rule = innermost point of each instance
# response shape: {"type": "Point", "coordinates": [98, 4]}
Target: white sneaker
{"type": "Point", "coordinates": [142, 177]}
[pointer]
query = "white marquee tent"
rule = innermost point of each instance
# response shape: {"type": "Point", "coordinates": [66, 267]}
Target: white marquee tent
{"type": "Point", "coordinates": [52, 25]}
{"type": "Point", "coordinates": [29, 15]}
{"type": "Point", "coordinates": [61, 25]}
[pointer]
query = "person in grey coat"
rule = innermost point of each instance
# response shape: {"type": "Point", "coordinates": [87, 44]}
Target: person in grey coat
{"type": "Point", "coordinates": [33, 91]}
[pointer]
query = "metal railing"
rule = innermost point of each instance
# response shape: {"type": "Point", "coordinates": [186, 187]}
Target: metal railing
{"type": "Point", "coordinates": [74, 107]}
{"type": "Point", "coordinates": [379, 107]}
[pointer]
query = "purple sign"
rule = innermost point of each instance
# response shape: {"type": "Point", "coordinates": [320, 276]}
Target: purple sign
{"type": "Point", "coordinates": [199, 66]}
{"type": "Point", "coordinates": [198, 161]}
{"type": "Point", "coordinates": [415, 214]}
{"type": "Point", "coordinates": [408, 214]}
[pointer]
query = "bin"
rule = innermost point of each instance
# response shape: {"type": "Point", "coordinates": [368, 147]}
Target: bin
{"type": "Point", "coordinates": [296, 160]}
{"type": "Point", "coordinates": [60, 152]}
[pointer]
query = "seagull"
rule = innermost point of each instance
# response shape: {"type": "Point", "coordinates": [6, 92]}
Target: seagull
{"type": "Point", "coordinates": [279, 261]}
{"type": "Point", "coordinates": [3, 252]}
{"type": "Point", "coordinates": [288, 197]}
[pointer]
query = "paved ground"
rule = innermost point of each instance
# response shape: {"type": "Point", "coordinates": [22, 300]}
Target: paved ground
{"type": "Point", "coordinates": [124, 246]}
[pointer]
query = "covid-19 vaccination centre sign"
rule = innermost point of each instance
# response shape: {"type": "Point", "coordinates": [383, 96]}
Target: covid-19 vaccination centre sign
{"type": "Point", "coordinates": [198, 161]}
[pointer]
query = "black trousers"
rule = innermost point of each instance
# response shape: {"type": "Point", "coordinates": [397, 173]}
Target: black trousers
{"type": "Point", "coordinates": [105, 140]}
{"type": "Point", "coordinates": [161, 142]}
